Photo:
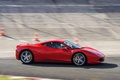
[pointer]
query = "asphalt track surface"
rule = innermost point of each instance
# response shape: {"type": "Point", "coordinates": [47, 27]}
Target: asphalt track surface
{"type": "Point", "coordinates": [95, 22]}
{"type": "Point", "coordinates": [109, 70]}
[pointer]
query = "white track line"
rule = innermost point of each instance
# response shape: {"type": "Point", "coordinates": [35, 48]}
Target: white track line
{"type": "Point", "coordinates": [28, 78]}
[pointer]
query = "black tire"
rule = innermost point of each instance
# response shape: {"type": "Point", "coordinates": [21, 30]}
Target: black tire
{"type": "Point", "coordinates": [79, 59]}
{"type": "Point", "coordinates": [26, 57]}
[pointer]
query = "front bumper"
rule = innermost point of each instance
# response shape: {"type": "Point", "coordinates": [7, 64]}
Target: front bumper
{"type": "Point", "coordinates": [95, 60]}
{"type": "Point", "coordinates": [102, 59]}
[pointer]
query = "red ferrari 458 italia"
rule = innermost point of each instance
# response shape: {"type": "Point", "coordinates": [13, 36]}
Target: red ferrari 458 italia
{"type": "Point", "coordinates": [62, 51]}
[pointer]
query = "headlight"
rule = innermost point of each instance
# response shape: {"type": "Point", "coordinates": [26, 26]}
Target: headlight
{"type": "Point", "coordinates": [95, 53]}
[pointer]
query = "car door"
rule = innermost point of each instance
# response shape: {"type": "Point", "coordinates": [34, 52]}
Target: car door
{"type": "Point", "coordinates": [57, 52]}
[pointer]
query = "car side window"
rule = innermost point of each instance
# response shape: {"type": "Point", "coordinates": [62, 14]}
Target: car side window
{"type": "Point", "coordinates": [54, 45]}
{"type": "Point", "coordinates": [48, 44]}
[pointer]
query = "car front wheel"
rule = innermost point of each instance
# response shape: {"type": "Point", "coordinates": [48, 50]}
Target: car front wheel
{"type": "Point", "coordinates": [79, 59]}
{"type": "Point", "coordinates": [26, 57]}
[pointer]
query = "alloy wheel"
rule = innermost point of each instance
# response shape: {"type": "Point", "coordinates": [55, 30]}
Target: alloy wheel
{"type": "Point", "coordinates": [26, 57]}
{"type": "Point", "coordinates": [79, 59]}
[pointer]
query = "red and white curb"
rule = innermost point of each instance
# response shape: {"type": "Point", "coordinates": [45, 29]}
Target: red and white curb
{"type": "Point", "coordinates": [27, 78]}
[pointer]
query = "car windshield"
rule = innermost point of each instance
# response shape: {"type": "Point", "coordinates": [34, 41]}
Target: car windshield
{"type": "Point", "coordinates": [71, 44]}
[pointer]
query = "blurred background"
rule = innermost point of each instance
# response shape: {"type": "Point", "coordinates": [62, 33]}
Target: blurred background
{"type": "Point", "coordinates": [94, 22]}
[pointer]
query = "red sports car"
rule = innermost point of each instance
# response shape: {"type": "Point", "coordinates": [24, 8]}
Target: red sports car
{"type": "Point", "coordinates": [58, 51]}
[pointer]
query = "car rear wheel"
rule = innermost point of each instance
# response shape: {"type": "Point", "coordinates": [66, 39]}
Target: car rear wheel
{"type": "Point", "coordinates": [26, 57]}
{"type": "Point", "coordinates": [79, 59]}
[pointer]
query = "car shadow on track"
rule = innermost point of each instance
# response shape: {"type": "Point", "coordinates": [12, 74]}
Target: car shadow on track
{"type": "Point", "coordinates": [68, 65]}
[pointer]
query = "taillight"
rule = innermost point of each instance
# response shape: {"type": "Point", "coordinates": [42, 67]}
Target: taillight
{"type": "Point", "coordinates": [17, 46]}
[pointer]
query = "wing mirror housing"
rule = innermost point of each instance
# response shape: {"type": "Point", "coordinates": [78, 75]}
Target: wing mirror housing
{"type": "Point", "coordinates": [66, 48]}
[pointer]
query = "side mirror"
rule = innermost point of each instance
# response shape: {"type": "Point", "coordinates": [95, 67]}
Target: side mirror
{"type": "Point", "coordinates": [65, 48]}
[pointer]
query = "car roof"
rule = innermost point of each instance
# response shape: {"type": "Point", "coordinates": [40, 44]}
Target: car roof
{"type": "Point", "coordinates": [53, 40]}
